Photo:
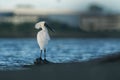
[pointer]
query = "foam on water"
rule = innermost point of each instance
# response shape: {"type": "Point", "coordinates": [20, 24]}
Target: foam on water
{"type": "Point", "coordinates": [17, 52]}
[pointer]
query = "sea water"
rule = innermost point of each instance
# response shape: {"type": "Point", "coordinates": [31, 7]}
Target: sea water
{"type": "Point", "coordinates": [15, 53]}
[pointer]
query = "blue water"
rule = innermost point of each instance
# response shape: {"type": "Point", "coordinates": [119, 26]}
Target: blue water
{"type": "Point", "coordinates": [15, 53]}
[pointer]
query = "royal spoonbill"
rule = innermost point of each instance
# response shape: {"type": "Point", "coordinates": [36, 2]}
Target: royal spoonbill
{"type": "Point", "coordinates": [43, 38]}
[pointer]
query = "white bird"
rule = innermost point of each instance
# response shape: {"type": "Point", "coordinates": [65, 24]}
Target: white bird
{"type": "Point", "coordinates": [43, 37]}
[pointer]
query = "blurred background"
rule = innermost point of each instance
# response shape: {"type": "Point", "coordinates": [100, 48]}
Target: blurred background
{"type": "Point", "coordinates": [77, 18]}
{"type": "Point", "coordinates": [85, 29]}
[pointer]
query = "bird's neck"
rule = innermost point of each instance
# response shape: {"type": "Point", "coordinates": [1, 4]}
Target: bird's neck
{"type": "Point", "coordinates": [44, 28]}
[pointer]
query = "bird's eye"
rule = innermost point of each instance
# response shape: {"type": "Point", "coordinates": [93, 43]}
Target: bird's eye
{"type": "Point", "coordinates": [40, 28]}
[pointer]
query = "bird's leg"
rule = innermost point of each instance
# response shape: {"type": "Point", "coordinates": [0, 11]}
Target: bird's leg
{"type": "Point", "coordinates": [45, 60]}
{"type": "Point", "coordinates": [44, 54]}
{"type": "Point", "coordinates": [39, 60]}
{"type": "Point", "coordinates": [41, 55]}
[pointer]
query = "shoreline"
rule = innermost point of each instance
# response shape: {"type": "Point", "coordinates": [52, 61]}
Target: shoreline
{"type": "Point", "coordinates": [98, 69]}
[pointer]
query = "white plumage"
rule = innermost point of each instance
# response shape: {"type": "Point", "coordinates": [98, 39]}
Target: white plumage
{"type": "Point", "coordinates": [42, 39]}
{"type": "Point", "coordinates": [42, 36]}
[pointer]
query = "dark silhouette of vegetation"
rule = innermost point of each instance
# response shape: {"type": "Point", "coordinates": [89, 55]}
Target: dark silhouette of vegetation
{"type": "Point", "coordinates": [8, 30]}
{"type": "Point", "coordinates": [28, 30]}
{"type": "Point", "coordinates": [16, 30]}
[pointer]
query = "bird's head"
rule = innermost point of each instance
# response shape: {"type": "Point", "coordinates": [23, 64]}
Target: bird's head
{"type": "Point", "coordinates": [39, 25]}
{"type": "Point", "coordinates": [42, 24]}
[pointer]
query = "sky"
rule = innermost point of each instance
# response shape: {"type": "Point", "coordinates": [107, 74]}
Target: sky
{"type": "Point", "coordinates": [61, 4]}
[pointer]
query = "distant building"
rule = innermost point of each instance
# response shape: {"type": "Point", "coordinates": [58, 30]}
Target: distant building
{"type": "Point", "coordinates": [97, 20]}
{"type": "Point", "coordinates": [17, 16]}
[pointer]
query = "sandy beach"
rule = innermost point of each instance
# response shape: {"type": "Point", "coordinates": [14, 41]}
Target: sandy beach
{"type": "Point", "coordinates": [67, 71]}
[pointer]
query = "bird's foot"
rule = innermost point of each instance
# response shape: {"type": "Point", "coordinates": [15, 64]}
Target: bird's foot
{"type": "Point", "coordinates": [38, 61]}
{"type": "Point", "coordinates": [46, 61]}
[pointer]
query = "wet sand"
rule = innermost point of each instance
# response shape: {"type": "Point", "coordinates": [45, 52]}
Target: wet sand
{"type": "Point", "coordinates": [67, 71]}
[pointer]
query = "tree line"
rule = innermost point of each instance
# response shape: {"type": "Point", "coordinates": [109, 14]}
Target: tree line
{"type": "Point", "coordinates": [27, 29]}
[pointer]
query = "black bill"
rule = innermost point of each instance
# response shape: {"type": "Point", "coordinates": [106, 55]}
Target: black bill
{"type": "Point", "coordinates": [51, 29]}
